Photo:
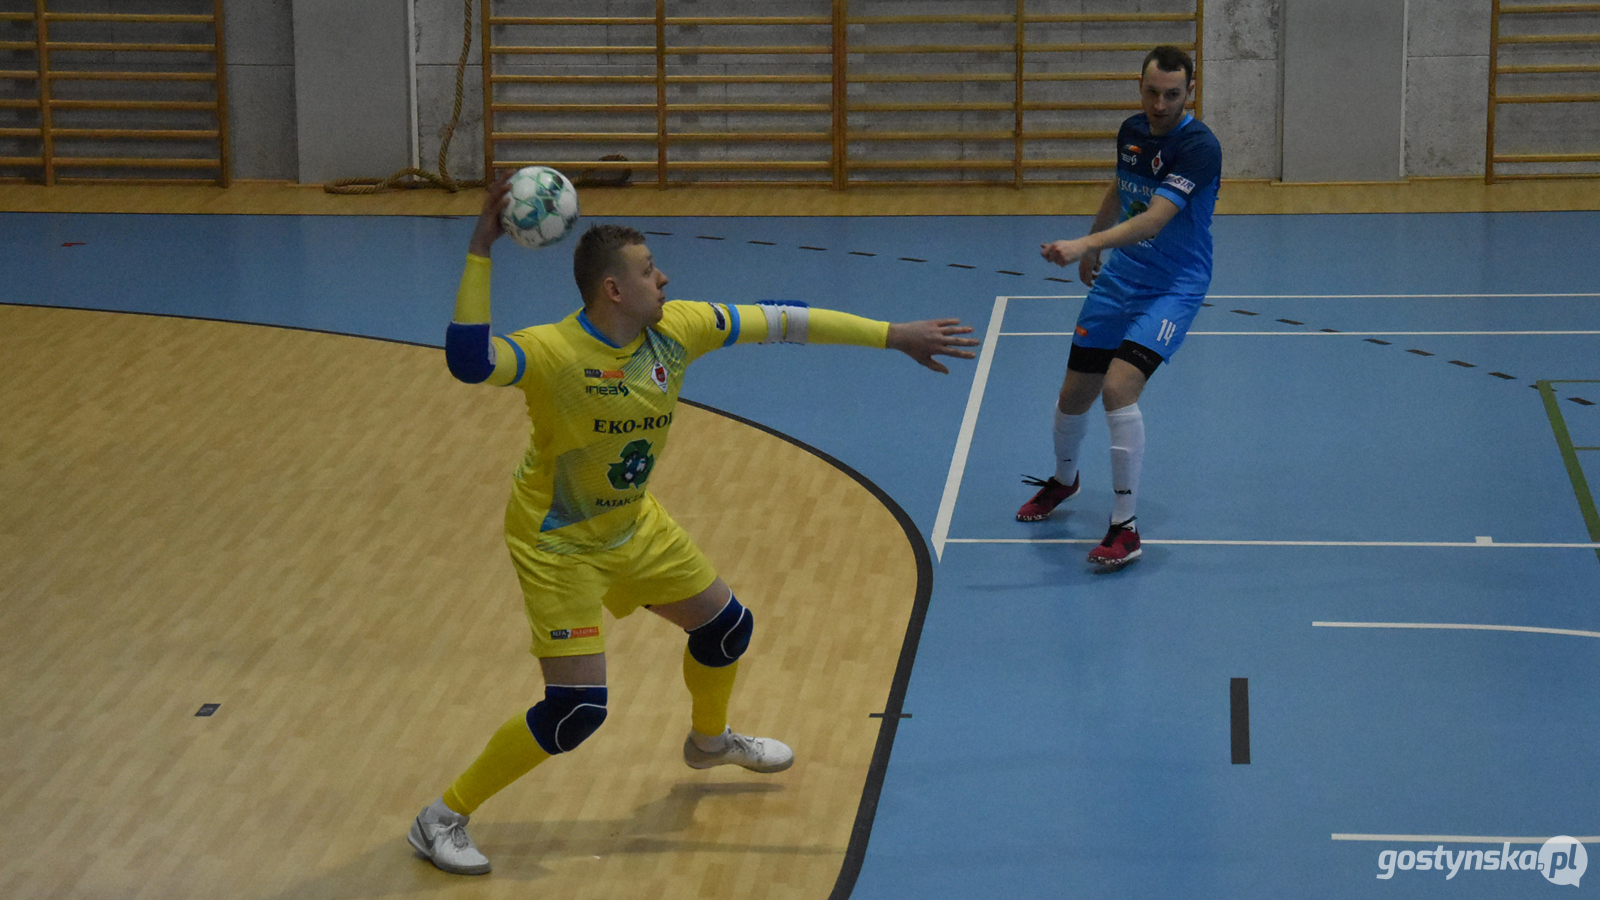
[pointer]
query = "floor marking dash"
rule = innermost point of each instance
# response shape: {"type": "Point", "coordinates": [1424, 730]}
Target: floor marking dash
{"type": "Point", "coordinates": [709, 237]}
{"type": "Point", "coordinates": [763, 243]}
{"type": "Point", "coordinates": [1239, 719]}
{"type": "Point", "coordinates": [803, 247]}
{"type": "Point", "coordinates": [1420, 352]}
{"type": "Point", "coordinates": [861, 253]}
{"type": "Point", "coordinates": [1464, 365]}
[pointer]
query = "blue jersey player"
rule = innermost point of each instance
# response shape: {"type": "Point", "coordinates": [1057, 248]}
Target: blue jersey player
{"type": "Point", "coordinates": [1156, 220]}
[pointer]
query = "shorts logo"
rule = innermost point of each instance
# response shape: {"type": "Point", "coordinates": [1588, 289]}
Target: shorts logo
{"type": "Point", "coordinates": [1168, 329]}
{"type": "Point", "coordinates": [1081, 331]}
{"type": "Point", "coordinates": [603, 373]}
{"type": "Point", "coordinates": [561, 634]}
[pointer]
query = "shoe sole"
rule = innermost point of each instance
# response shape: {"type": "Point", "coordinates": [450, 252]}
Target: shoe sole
{"type": "Point", "coordinates": [764, 770]}
{"type": "Point", "coordinates": [415, 840]}
{"type": "Point", "coordinates": [1111, 565]}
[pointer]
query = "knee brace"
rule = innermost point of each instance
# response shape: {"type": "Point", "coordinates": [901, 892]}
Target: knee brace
{"type": "Point", "coordinates": [566, 716]}
{"type": "Point", "coordinates": [721, 641]}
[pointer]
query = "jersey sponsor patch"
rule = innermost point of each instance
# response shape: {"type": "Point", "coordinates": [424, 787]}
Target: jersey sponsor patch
{"type": "Point", "coordinates": [602, 373]}
{"type": "Point", "coordinates": [562, 634]}
{"type": "Point", "coordinates": [1181, 183]}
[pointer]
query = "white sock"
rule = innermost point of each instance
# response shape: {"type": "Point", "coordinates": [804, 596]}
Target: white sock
{"type": "Point", "coordinates": [709, 743]}
{"type": "Point", "coordinates": [1127, 458]}
{"type": "Point", "coordinates": [437, 811]}
{"type": "Point", "coordinates": [1068, 434]}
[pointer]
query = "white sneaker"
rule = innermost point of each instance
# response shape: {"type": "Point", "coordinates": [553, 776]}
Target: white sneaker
{"type": "Point", "coordinates": [754, 753]}
{"type": "Point", "coordinates": [441, 838]}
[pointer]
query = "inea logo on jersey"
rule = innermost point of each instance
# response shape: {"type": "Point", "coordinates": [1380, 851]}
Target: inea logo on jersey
{"type": "Point", "coordinates": [606, 390]}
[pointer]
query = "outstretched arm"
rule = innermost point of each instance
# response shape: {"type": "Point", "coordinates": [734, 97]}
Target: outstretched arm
{"type": "Point", "coordinates": [924, 340]}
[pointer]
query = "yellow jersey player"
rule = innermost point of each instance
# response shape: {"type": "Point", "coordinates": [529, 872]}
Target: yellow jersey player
{"type": "Point", "coordinates": [583, 530]}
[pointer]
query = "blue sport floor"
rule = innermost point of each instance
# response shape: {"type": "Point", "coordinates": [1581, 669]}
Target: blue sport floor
{"type": "Point", "coordinates": [1356, 498]}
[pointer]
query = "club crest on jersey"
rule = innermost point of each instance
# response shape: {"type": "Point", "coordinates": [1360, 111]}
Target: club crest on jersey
{"type": "Point", "coordinates": [659, 376]}
{"type": "Point", "coordinates": [1156, 163]}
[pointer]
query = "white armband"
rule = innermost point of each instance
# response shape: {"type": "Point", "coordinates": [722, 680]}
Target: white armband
{"type": "Point", "coordinates": [787, 321]}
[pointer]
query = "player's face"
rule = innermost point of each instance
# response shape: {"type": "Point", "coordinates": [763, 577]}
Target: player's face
{"type": "Point", "coordinates": [1163, 95]}
{"type": "Point", "coordinates": [639, 284]}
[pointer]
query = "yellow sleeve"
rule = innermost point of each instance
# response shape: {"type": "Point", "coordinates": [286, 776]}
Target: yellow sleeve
{"type": "Point", "coordinates": [822, 326]}
{"type": "Point", "coordinates": [472, 297]}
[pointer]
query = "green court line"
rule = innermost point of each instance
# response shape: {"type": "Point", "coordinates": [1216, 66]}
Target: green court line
{"type": "Point", "coordinates": [1569, 455]}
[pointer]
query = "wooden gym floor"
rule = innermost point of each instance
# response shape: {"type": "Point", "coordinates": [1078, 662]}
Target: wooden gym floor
{"type": "Point", "coordinates": [305, 527]}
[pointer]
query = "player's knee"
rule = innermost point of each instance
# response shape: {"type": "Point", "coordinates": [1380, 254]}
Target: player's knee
{"type": "Point", "coordinates": [566, 716]}
{"type": "Point", "coordinates": [721, 641]}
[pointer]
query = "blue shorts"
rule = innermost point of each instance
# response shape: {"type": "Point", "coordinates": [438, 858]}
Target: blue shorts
{"type": "Point", "coordinates": [1117, 311]}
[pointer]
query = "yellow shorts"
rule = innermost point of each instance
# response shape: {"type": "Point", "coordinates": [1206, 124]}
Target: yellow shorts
{"type": "Point", "coordinates": [564, 592]}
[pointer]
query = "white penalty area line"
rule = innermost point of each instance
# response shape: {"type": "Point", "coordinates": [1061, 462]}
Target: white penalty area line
{"type": "Point", "coordinates": [1456, 626]}
{"type": "Point", "coordinates": [969, 424]}
{"type": "Point", "coordinates": [1222, 543]}
{"type": "Point", "coordinates": [1453, 838]}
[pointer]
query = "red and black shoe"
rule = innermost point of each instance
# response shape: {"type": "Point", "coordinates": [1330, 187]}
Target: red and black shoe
{"type": "Point", "coordinates": [1120, 547]}
{"type": "Point", "coordinates": [1051, 493]}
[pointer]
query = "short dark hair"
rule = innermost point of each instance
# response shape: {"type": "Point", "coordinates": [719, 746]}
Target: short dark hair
{"type": "Point", "coordinates": [597, 254]}
{"type": "Point", "coordinates": [1169, 59]}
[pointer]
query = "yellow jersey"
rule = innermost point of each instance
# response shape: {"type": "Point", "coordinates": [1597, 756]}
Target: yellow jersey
{"type": "Point", "coordinates": [600, 414]}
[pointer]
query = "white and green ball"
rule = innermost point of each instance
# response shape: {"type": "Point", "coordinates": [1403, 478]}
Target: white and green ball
{"type": "Point", "coordinates": [541, 208]}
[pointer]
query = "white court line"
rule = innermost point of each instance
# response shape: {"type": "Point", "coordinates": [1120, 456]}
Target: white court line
{"type": "Point", "coordinates": [1454, 838]}
{"type": "Point", "coordinates": [1312, 333]}
{"type": "Point", "coordinates": [969, 424]}
{"type": "Point", "coordinates": [1454, 626]}
{"type": "Point", "coordinates": [1203, 543]}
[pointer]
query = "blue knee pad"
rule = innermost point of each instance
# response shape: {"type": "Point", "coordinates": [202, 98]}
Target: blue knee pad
{"type": "Point", "coordinates": [721, 641]}
{"type": "Point", "coordinates": [566, 716]}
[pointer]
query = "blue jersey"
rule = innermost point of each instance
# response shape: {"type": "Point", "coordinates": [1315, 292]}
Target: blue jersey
{"type": "Point", "coordinates": [1185, 166]}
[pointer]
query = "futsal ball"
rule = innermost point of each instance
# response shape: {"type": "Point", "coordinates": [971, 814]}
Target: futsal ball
{"type": "Point", "coordinates": [541, 208]}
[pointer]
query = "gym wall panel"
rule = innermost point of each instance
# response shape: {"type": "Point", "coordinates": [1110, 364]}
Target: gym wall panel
{"type": "Point", "coordinates": [1343, 90]}
{"type": "Point", "coordinates": [352, 88]}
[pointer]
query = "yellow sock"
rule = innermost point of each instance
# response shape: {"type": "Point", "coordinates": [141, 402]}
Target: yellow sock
{"type": "Point", "coordinates": [511, 754]}
{"type": "Point", "coordinates": [710, 689]}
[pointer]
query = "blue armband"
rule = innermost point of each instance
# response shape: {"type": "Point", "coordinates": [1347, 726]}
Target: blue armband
{"type": "Point", "coordinates": [468, 353]}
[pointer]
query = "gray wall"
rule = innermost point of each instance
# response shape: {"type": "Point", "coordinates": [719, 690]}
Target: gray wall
{"type": "Point", "coordinates": [1252, 100]}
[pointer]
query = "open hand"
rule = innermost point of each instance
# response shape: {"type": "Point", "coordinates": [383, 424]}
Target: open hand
{"type": "Point", "coordinates": [924, 340]}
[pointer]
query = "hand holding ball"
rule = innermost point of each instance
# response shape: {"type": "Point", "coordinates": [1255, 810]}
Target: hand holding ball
{"type": "Point", "coordinates": [541, 206]}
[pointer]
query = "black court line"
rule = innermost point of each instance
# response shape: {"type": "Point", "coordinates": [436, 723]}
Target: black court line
{"type": "Point", "coordinates": [894, 707]}
{"type": "Point", "coordinates": [812, 248]}
{"type": "Point", "coordinates": [1239, 719]}
{"type": "Point", "coordinates": [1290, 322]}
{"type": "Point", "coordinates": [1244, 312]}
{"type": "Point", "coordinates": [1006, 272]}
{"type": "Point", "coordinates": [959, 266]}
{"type": "Point", "coordinates": [207, 709]}
{"type": "Point", "coordinates": [762, 243]}
{"type": "Point", "coordinates": [911, 259]}
{"type": "Point", "coordinates": [1376, 341]}
{"type": "Point", "coordinates": [663, 233]}
{"type": "Point", "coordinates": [861, 253]}
{"type": "Point", "coordinates": [708, 237]}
